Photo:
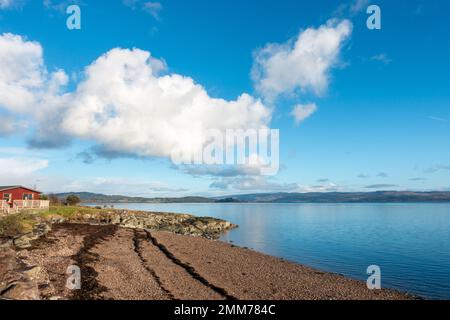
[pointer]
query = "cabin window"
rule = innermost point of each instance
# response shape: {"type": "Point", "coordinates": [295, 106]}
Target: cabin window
{"type": "Point", "coordinates": [7, 197]}
{"type": "Point", "coordinates": [27, 196]}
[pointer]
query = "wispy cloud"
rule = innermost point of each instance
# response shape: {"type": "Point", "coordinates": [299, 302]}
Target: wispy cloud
{"type": "Point", "coordinates": [253, 183]}
{"type": "Point", "coordinates": [436, 168]}
{"type": "Point", "coordinates": [60, 5]}
{"type": "Point", "coordinates": [126, 186]}
{"type": "Point", "coordinates": [20, 166]}
{"type": "Point", "coordinates": [20, 152]}
{"type": "Point", "coordinates": [381, 186]}
{"type": "Point", "coordinates": [86, 157]}
{"type": "Point", "coordinates": [154, 8]}
{"type": "Point", "coordinates": [363, 176]}
{"type": "Point", "coordinates": [5, 3]}
{"type": "Point", "coordinates": [351, 8]}
{"type": "Point", "coordinates": [418, 179]}
{"type": "Point", "coordinates": [8, 4]}
{"type": "Point", "coordinates": [358, 5]}
{"type": "Point", "coordinates": [133, 4]}
{"type": "Point", "coordinates": [437, 119]}
{"type": "Point", "coordinates": [303, 111]}
{"type": "Point", "coordinates": [151, 7]}
{"type": "Point", "coordinates": [382, 175]}
{"type": "Point", "coordinates": [249, 169]}
{"type": "Point", "coordinates": [382, 57]}
{"type": "Point", "coordinates": [324, 187]}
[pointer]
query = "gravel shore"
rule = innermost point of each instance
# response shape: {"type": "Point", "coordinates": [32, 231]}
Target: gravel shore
{"type": "Point", "coordinates": [122, 263]}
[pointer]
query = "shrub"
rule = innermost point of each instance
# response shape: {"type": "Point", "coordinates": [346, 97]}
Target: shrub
{"type": "Point", "coordinates": [72, 200]}
{"type": "Point", "coordinates": [16, 224]}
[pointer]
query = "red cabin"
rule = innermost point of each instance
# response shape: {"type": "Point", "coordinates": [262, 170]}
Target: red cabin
{"type": "Point", "coordinates": [13, 193]}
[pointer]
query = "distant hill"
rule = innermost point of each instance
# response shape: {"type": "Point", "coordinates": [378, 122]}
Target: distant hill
{"type": "Point", "coordinates": [313, 197]}
{"type": "Point", "coordinates": [102, 198]}
{"type": "Point", "coordinates": [343, 197]}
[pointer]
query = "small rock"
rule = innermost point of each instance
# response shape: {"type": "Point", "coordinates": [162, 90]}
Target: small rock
{"type": "Point", "coordinates": [22, 291]}
{"type": "Point", "coordinates": [6, 243]}
{"type": "Point", "coordinates": [23, 242]}
{"type": "Point", "coordinates": [33, 272]}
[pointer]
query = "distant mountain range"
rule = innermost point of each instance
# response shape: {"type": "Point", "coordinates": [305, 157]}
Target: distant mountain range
{"type": "Point", "coordinates": [313, 197]}
{"type": "Point", "coordinates": [102, 198]}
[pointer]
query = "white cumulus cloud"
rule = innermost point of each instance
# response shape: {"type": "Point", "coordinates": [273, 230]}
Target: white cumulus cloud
{"type": "Point", "coordinates": [127, 102]}
{"type": "Point", "coordinates": [303, 63]}
{"type": "Point", "coordinates": [22, 72]}
{"type": "Point", "coordinates": [24, 79]}
{"type": "Point", "coordinates": [127, 106]}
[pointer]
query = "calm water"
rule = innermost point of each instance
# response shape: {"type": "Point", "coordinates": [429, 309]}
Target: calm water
{"type": "Point", "coordinates": [410, 242]}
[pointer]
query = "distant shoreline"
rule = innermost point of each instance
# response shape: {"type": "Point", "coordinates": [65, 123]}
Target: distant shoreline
{"type": "Point", "coordinates": [313, 197]}
{"type": "Point", "coordinates": [89, 203]}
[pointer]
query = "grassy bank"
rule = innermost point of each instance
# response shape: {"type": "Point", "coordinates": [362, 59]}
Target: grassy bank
{"type": "Point", "coordinates": [24, 222]}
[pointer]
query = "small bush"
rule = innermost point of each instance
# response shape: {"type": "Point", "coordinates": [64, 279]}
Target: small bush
{"type": "Point", "coordinates": [16, 224]}
{"type": "Point", "coordinates": [72, 200]}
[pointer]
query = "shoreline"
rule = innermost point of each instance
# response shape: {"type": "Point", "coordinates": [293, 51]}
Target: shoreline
{"type": "Point", "coordinates": [154, 256]}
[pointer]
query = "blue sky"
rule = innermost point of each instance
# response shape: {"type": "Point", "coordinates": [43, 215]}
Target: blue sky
{"type": "Point", "coordinates": [381, 119]}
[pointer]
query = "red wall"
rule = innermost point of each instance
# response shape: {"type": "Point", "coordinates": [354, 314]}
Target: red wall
{"type": "Point", "coordinates": [17, 193]}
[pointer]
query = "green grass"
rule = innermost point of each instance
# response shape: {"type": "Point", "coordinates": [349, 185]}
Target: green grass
{"type": "Point", "coordinates": [17, 224]}
{"type": "Point", "coordinates": [68, 212]}
{"type": "Point", "coordinates": [61, 211]}
{"type": "Point", "coordinates": [20, 223]}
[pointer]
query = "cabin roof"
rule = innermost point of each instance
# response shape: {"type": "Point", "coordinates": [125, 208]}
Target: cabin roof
{"type": "Point", "coordinates": [5, 188]}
